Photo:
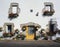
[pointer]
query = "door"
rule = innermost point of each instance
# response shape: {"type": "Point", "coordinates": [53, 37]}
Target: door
{"type": "Point", "coordinates": [29, 33]}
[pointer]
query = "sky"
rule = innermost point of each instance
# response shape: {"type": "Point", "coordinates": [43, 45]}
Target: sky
{"type": "Point", "coordinates": [25, 15]}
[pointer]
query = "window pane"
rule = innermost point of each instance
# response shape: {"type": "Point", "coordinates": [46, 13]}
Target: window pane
{"type": "Point", "coordinates": [30, 30]}
{"type": "Point", "coordinates": [47, 8]}
{"type": "Point", "coordinates": [14, 9]}
{"type": "Point", "coordinates": [8, 28]}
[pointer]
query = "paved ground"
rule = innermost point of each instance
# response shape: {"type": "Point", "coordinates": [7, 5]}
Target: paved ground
{"type": "Point", "coordinates": [41, 43]}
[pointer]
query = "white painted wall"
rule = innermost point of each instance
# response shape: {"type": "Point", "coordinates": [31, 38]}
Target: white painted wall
{"type": "Point", "coordinates": [25, 14]}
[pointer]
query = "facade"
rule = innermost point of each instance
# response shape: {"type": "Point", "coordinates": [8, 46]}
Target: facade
{"type": "Point", "coordinates": [30, 12]}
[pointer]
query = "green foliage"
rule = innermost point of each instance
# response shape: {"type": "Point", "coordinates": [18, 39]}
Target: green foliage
{"type": "Point", "coordinates": [20, 36]}
{"type": "Point", "coordinates": [8, 34]}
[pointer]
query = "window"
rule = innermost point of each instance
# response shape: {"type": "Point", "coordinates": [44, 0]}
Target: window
{"type": "Point", "coordinates": [14, 9]}
{"type": "Point", "coordinates": [30, 30]}
{"type": "Point", "coordinates": [9, 28]}
{"type": "Point", "coordinates": [47, 8]}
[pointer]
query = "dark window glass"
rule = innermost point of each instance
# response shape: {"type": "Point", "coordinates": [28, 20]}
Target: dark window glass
{"type": "Point", "coordinates": [9, 28]}
{"type": "Point", "coordinates": [30, 30]}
